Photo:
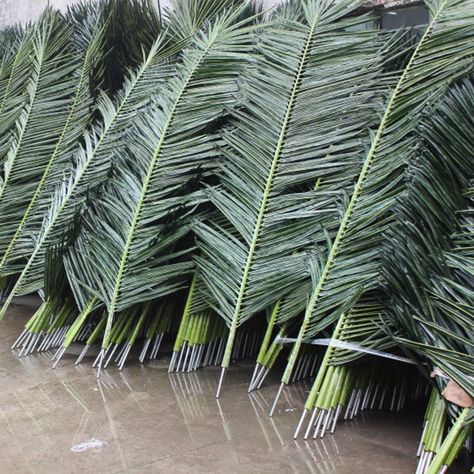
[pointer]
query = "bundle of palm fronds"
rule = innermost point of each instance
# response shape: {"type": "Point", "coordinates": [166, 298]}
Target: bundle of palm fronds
{"type": "Point", "coordinates": [246, 185]}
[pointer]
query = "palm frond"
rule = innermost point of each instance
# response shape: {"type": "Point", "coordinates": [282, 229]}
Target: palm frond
{"type": "Point", "coordinates": [22, 205]}
{"type": "Point", "coordinates": [429, 277]}
{"type": "Point", "coordinates": [297, 127]}
{"type": "Point", "coordinates": [40, 123]}
{"type": "Point", "coordinates": [15, 70]}
{"type": "Point", "coordinates": [434, 318]}
{"type": "Point", "coordinates": [92, 162]}
{"type": "Point", "coordinates": [128, 247]}
{"type": "Point", "coordinates": [423, 219]}
{"type": "Point", "coordinates": [353, 258]}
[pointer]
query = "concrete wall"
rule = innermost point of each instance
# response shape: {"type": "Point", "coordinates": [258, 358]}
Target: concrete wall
{"type": "Point", "coordinates": [22, 11]}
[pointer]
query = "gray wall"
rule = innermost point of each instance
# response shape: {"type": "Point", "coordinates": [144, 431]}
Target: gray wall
{"type": "Point", "coordinates": [22, 11]}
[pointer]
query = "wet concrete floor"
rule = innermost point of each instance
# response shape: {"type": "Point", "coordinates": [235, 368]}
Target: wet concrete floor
{"type": "Point", "coordinates": [142, 420]}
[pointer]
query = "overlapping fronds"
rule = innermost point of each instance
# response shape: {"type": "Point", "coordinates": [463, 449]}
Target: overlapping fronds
{"type": "Point", "coordinates": [14, 73]}
{"type": "Point", "coordinates": [91, 162]}
{"type": "Point", "coordinates": [40, 122]}
{"type": "Point", "coordinates": [429, 277]}
{"type": "Point", "coordinates": [132, 28]}
{"type": "Point", "coordinates": [298, 129]}
{"type": "Point", "coordinates": [126, 252]}
{"type": "Point", "coordinates": [184, 17]}
{"type": "Point", "coordinates": [289, 183]}
{"type": "Point", "coordinates": [25, 196]}
{"type": "Point", "coordinates": [352, 261]}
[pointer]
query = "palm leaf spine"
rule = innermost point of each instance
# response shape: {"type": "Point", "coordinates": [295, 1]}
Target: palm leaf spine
{"type": "Point", "coordinates": [355, 196]}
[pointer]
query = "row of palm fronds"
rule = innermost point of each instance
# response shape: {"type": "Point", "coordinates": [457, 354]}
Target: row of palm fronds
{"type": "Point", "coordinates": [292, 184]}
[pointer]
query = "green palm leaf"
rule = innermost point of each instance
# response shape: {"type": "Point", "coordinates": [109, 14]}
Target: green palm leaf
{"type": "Point", "coordinates": [429, 277]}
{"type": "Point", "coordinates": [91, 164]}
{"type": "Point", "coordinates": [91, 161]}
{"type": "Point", "coordinates": [128, 247]}
{"type": "Point", "coordinates": [24, 217]}
{"type": "Point", "coordinates": [424, 217]}
{"type": "Point", "coordinates": [443, 54]}
{"type": "Point", "coordinates": [15, 71]}
{"type": "Point", "coordinates": [40, 121]}
{"type": "Point", "coordinates": [299, 127]}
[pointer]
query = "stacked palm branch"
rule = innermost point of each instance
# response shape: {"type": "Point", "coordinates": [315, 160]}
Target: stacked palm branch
{"type": "Point", "coordinates": [248, 185]}
{"type": "Point", "coordinates": [434, 313]}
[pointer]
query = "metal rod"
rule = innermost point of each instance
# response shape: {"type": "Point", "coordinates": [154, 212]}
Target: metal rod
{"type": "Point", "coordinates": [276, 398]}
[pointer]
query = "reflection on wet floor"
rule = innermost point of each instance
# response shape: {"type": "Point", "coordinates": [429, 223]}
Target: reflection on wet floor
{"type": "Point", "coordinates": [144, 420]}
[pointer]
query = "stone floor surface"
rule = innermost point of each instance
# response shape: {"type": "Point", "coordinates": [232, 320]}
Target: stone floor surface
{"type": "Point", "coordinates": [142, 421]}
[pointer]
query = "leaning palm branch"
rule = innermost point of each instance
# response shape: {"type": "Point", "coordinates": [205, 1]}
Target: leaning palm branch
{"type": "Point", "coordinates": [420, 209]}
{"type": "Point", "coordinates": [40, 123]}
{"type": "Point", "coordinates": [128, 252]}
{"type": "Point", "coordinates": [281, 317]}
{"type": "Point", "coordinates": [15, 70]}
{"type": "Point", "coordinates": [24, 217]}
{"type": "Point", "coordinates": [91, 164]}
{"type": "Point", "coordinates": [435, 309]}
{"type": "Point", "coordinates": [352, 260]}
{"type": "Point", "coordinates": [298, 126]}
{"type": "Point", "coordinates": [429, 277]}
{"type": "Point", "coordinates": [91, 161]}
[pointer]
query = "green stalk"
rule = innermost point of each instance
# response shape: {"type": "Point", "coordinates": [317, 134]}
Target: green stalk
{"type": "Point", "coordinates": [96, 332]}
{"type": "Point", "coordinates": [77, 325]}
{"type": "Point", "coordinates": [311, 400]}
{"type": "Point", "coordinates": [268, 333]}
{"type": "Point", "coordinates": [452, 443]}
{"type": "Point", "coordinates": [186, 314]}
{"type": "Point", "coordinates": [138, 326]}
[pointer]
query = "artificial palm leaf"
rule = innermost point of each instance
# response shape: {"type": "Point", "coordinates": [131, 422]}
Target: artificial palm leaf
{"type": "Point", "coordinates": [429, 277]}
{"type": "Point", "coordinates": [40, 123]}
{"type": "Point", "coordinates": [423, 221]}
{"type": "Point", "coordinates": [15, 71]}
{"type": "Point", "coordinates": [91, 163]}
{"type": "Point", "coordinates": [127, 252]}
{"type": "Point", "coordinates": [398, 47]}
{"type": "Point", "coordinates": [428, 264]}
{"type": "Point", "coordinates": [352, 261]}
{"type": "Point", "coordinates": [299, 126]}
{"type": "Point", "coordinates": [22, 205]}
{"type": "Point", "coordinates": [10, 39]}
